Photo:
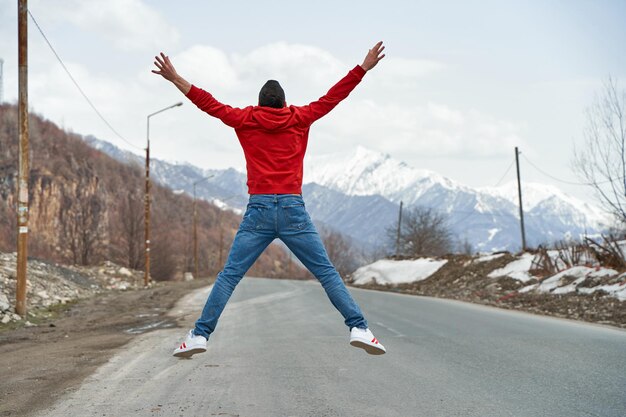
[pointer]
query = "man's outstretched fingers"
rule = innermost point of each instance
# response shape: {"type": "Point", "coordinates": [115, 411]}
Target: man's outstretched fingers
{"type": "Point", "coordinates": [373, 56]}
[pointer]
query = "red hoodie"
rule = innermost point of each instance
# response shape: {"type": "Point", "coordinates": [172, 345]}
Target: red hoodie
{"type": "Point", "coordinates": [274, 140]}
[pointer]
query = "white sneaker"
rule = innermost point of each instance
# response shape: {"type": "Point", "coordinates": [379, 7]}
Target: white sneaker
{"type": "Point", "coordinates": [364, 339]}
{"type": "Point", "coordinates": [193, 344]}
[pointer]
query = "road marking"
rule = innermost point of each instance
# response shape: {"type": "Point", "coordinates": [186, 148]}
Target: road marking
{"type": "Point", "coordinates": [395, 332]}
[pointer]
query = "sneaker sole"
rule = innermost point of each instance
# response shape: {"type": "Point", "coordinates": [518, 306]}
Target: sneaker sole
{"type": "Point", "coordinates": [189, 353]}
{"type": "Point", "coordinates": [372, 350]}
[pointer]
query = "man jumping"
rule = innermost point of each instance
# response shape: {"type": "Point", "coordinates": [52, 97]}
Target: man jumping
{"type": "Point", "coordinates": [274, 139]}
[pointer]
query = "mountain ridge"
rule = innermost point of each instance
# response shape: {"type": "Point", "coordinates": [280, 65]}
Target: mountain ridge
{"type": "Point", "coordinates": [486, 217]}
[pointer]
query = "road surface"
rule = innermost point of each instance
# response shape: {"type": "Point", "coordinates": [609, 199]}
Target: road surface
{"type": "Point", "coordinates": [281, 350]}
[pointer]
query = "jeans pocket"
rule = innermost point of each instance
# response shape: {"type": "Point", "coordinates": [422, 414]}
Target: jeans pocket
{"type": "Point", "coordinates": [253, 217]}
{"type": "Point", "coordinates": [296, 216]}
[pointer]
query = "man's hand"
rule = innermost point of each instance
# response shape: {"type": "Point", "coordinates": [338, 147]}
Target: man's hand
{"type": "Point", "coordinates": [166, 70]}
{"type": "Point", "coordinates": [373, 56]}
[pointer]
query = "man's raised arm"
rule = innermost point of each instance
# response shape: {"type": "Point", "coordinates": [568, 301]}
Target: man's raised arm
{"type": "Point", "coordinates": [232, 117]}
{"type": "Point", "coordinates": [342, 89]}
{"type": "Point", "coordinates": [167, 71]}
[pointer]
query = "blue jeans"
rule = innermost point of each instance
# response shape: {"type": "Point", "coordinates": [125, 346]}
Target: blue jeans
{"type": "Point", "coordinates": [267, 217]}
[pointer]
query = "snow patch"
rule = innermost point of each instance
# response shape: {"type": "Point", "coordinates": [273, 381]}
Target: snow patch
{"type": "Point", "coordinates": [492, 233]}
{"type": "Point", "coordinates": [580, 273]}
{"type": "Point", "coordinates": [388, 271]}
{"type": "Point", "coordinates": [517, 269]}
{"type": "Point", "coordinates": [487, 258]}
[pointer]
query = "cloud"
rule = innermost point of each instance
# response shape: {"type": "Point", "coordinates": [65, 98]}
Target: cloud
{"type": "Point", "coordinates": [433, 129]}
{"type": "Point", "coordinates": [306, 72]}
{"type": "Point", "coordinates": [129, 24]}
{"type": "Point", "coordinates": [382, 113]}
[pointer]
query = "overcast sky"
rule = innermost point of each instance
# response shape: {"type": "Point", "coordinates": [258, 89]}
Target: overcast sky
{"type": "Point", "coordinates": [463, 83]}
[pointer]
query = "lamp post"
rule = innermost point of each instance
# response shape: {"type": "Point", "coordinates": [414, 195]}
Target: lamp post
{"type": "Point", "coordinates": [195, 227]}
{"type": "Point", "coordinates": [146, 277]}
{"type": "Point", "coordinates": [221, 247]}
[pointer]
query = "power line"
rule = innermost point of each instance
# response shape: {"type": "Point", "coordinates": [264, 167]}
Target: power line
{"type": "Point", "coordinates": [78, 86]}
{"type": "Point", "coordinates": [505, 173]}
{"type": "Point", "coordinates": [570, 182]}
{"type": "Point", "coordinates": [551, 176]}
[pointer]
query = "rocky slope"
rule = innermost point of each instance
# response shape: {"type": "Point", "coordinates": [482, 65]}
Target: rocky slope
{"type": "Point", "coordinates": [50, 284]}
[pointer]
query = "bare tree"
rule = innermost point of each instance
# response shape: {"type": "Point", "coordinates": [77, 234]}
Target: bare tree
{"type": "Point", "coordinates": [423, 232]}
{"type": "Point", "coordinates": [131, 212]}
{"type": "Point", "coordinates": [601, 162]}
{"type": "Point", "coordinates": [81, 219]}
{"type": "Point", "coordinates": [339, 251]}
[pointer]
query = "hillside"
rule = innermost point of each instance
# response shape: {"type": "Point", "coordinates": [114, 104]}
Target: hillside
{"type": "Point", "coordinates": [584, 290]}
{"type": "Point", "coordinates": [86, 207]}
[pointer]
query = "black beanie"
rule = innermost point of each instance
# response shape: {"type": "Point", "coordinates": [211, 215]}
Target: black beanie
{"type": "Point", "coordinates": [272, 95]}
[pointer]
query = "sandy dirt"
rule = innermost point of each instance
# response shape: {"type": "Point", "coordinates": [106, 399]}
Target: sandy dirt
{"type": "Point", "coordinates": [39, 364]}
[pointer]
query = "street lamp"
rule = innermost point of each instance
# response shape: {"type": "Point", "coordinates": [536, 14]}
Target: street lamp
{"type": "Point", "coordinates": [146, 277]}
{"type": "Point", "coordinates": [219, 220]}
{"type": "Point", "coordinates": [195, 226]}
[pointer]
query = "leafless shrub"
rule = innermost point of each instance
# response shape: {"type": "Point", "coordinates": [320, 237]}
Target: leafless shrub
{"type": "Point", "coordinates": [339, 251]}
{"type": "Point", "coordinates": [608, 252]}
{"type": "Point", "coordinates": [423, 232]}
{"type": "Point", "coordinates": [543, 265]}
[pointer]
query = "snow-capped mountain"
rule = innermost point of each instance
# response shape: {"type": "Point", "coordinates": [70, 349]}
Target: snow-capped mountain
{"type": "Point", "coordinates": [486, 217]}
{"type": "Point", "coordinates": [359, 193]}
{"type": "Point", "coordinates": [366, 172]}
{"type": "Point", "coordinates": [224, 187]}
{"type": "Point", "coordinates": [549, 199]}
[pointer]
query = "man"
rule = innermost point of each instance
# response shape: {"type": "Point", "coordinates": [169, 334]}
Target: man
{"type": "Point", "coordinates": [274, 138]}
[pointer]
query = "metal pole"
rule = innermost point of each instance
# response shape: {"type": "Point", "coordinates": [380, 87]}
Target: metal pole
{"type": "Point", "coordinates": [195, 234]}
{"type": "Point", "coordinates": [519, 193]}
{"type": "Point", "coordinates": [195, 226]}
{"type": "Point", "coordinates": [399, 230]}
{"type": "Point", "coordinates": [1, 81]}
{"type": "Point", "coordinates": [23, 163]}
{"type": "Point", "coordinates": [146, 276]}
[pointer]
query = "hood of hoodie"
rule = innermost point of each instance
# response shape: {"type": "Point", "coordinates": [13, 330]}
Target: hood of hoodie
{"type": "Point", "coordinates": [270, 118]}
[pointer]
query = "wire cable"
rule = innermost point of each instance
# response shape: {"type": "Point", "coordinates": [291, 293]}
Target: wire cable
{"type": "Point", "coordinates": [569, 182]}
{"type": "Point", "coordinates": [551, 176]}
{"type": "Point", "coordinates": [505, 173]}
{"type": "Point", "coordinates": [77, 85]}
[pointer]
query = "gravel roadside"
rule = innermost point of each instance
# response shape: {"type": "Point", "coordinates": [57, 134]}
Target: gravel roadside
{"type": "Point", "coordinates": [40, 363]}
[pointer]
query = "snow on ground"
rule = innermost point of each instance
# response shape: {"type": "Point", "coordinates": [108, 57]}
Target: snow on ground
{"type": "Point", "coordinates": [552, 284]}
{"type": "Point", "coordinates": [517, 269]}
{"type": "Point", "coordinates": [388, 271]}
{"type": "Point", "coordinates": [487, 258]}
{"type": "Point", "coordinates": [616, 290]}
{"type": "Point", "coordinates": [556, 284]}
{"type": "Point", "coordinates": [580, 273]}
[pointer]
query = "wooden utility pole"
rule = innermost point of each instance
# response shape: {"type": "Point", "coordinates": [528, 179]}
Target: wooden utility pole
{"type": "Point", "coordinates": [221, 251]}
{"type": "Point", "coordinates": [519, 194]}
{"type": "Point", "coordinates": [23, 168]}
{"type": "Point", "coordinates": [399, 231]}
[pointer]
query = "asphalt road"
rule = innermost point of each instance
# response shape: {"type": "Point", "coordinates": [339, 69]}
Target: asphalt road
{"type": "Point", "coordinates": [282, 350]}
